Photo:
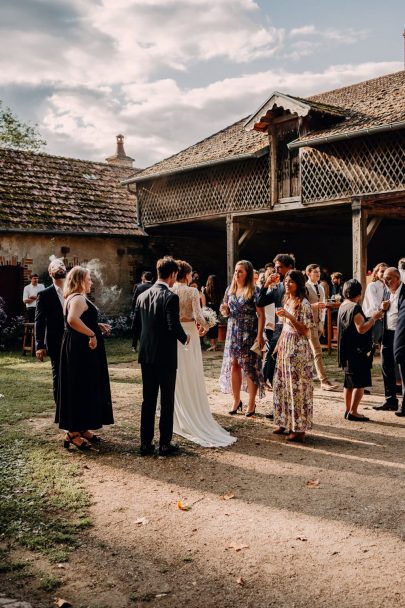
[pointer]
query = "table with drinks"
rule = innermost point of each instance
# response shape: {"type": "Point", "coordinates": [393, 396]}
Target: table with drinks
{"type": "Point", "coordinates": [331, 305]}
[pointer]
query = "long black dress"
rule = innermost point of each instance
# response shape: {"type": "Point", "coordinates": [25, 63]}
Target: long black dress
{"type": "Point", "coordinates": [84, 395]}
{"type": "Point", "coordinates": [354, 349]}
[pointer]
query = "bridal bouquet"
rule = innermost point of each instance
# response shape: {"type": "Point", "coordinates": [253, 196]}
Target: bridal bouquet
{"type": "Point", "coordinates": [210, 316]}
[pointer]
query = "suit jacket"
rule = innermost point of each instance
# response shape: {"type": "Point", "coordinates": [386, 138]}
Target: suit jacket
{"type": "Point", "coordinates": [49, 322]}
{"type": "Point", "coordinates": [140, 288]}
{"type": "Point", "coordinates": [399, 337]}
{"type": "Point", "coordinates": [157, 326]}
{"type": "Point", "coordinates": [274, 296]}
{"type": "Point", "coordinates": [312, 298]}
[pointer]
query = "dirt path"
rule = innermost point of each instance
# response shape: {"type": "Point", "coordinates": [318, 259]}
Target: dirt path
{"type": "Point", "coordinates": [278, 542]}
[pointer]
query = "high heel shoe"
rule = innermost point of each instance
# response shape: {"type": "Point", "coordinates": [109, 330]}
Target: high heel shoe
{"type": "Point", "coordinates": [89, 436]}
{"type": "Point", "coordinates": [79, 442]}
{"type": "Point", "coordinates": [296, 437]}
{"type": "Point", "coordinates": [251, 414]}
{"type": "Point", "coordinates": [279, 431]}
{"type": "Point", "coordinates": [234, 412]}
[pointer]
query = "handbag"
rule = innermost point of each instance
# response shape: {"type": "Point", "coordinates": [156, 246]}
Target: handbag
{"type": "Point", "coordinates": [257, 349]}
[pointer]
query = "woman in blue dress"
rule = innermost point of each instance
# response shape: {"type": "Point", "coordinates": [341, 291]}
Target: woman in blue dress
{"type": "Point", "coordinates": [241, 367]}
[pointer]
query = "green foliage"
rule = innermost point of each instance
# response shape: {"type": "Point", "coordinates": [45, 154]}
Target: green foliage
{"type": "Point", "coordinates": [17, 135]}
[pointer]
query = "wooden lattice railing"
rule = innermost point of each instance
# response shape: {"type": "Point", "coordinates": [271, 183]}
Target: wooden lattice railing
{"type": "Point", "coordinates": [216, 190]}
{"type": "Point", "coordinates": [357, 166]}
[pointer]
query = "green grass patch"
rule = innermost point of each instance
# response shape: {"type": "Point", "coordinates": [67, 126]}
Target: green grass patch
{"type": "Point", "coordinates": [119, 350]}
{"type": "Point", "coordinates": [49, 583]}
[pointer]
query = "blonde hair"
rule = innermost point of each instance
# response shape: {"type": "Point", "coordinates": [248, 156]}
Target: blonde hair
{"type": "Point", "coordinates": [374, 276]}
{"type": "Point", "coordinates": [249, 287]}
{"type": "Point", "coordinates": [74, 280]}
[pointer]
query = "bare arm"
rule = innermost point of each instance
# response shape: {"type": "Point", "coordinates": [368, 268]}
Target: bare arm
{"type": "Point", "coordinates": [261, 317]}
{"type": "Point", "coordinates": [363, 326]}
{"type": "Point", "coordinates": [76, 307]}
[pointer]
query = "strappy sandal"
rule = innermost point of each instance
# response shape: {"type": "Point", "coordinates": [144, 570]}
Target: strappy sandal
{"type": "Point", "coordinates": [89, 436]}
{"type": "Point", "coordinates": [77, 440]}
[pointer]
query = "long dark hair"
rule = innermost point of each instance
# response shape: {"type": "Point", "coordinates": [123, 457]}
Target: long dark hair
{"type": "Point", "coordinates": [213, 290]}
{"type": "Point", "coordinates": [298, 278]}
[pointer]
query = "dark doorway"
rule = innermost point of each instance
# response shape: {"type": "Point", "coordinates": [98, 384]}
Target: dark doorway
{"type": "Point", "coordinates": [11, 289]}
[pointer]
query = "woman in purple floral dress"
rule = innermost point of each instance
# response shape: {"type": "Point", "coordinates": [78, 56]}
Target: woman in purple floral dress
{"type": "Point", "coordinates": [241, 367]}
{"type": "Point", "coordinates": [292, 386]}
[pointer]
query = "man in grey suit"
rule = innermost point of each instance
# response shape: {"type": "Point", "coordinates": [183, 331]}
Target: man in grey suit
{"type": "Point", "coordinates": [157, 328]}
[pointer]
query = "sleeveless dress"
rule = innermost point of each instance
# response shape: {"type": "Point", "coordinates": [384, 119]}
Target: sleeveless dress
{"type": "Point", "coordinates": [84, 396]}
{"type": "Point", "coordinates": [192, 415]}
{"type": "Point", "coordinates": [292, 384]}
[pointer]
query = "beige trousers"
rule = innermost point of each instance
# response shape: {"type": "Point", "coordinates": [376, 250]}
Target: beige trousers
{"type": "Point", "coordinates": [317, 352]}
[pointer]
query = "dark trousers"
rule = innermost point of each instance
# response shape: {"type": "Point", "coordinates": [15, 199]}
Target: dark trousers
{"type": "Point", "coordinates": [402, 373]}
{"type": "Point", "coordinates": [30, 314]}
{"type": "Point", "coordinates": [153, 378]}
{"type": "Point", "coordinates": [271, 357]}
{"type": "Point", "coordinates": [55, 375]}
{"type": "Point", "coordinates": [388, 366]}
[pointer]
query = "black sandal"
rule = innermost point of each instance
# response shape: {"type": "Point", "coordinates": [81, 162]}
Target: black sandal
{"type": "Point", "coordinates": [89, 436]}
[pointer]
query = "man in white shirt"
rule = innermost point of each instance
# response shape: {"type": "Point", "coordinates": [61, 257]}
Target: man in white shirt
{"type": "Point", "coordinates": [316, 297]}
{"type": "Point", "coordinates": [392, 279]}
{"type": "Point", "coordinates": [30, 295]}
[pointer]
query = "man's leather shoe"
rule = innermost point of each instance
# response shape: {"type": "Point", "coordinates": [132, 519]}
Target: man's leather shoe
{"type": "Point", "coordinates": [147, 450]}
{"type": "Point", "coordinates": [171, 449]}
{"type": "Point", "coordinates": [388, 406]}
{"type": "Point", "coordinates": [400, 412]}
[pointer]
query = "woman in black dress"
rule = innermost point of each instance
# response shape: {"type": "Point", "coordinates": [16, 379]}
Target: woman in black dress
{"type": "Point", "coordinates": [213, 296]}
{"type": "Point", "coordinates": [355, 348]}
{"type": "Point", "coordinates": [84, 396]}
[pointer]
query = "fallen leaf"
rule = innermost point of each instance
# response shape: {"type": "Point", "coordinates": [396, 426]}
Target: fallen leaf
{"type": "Point", "coordinates": [182, 506]}
{"type": "Point", "coordinates": [313, 483]}
{"type": "Point", "coordinates": [142, 521]}
{"type": "Point", "coordinates": [61, 603]}
{"type": "Point", "coordinates": [241, 581]}
{"type": "Point", "coordinates": [228, 496]}
{"type": "Point", "coordinates": [237, 547]}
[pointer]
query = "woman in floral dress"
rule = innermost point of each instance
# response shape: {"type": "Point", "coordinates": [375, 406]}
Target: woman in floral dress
{"type": "Point", "coordinates": [293, 390]}
{"type": "Point", "coordinates": [241, 367]}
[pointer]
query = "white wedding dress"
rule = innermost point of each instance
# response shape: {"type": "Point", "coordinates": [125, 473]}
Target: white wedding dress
{"type": "Point", "coordinates": [192, 415]}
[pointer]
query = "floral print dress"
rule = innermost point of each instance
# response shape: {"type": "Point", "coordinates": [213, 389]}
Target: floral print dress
{"type": "Point", "coordinates": [240, 336]}
{"type": "Point", "coordinates": [292, 386]}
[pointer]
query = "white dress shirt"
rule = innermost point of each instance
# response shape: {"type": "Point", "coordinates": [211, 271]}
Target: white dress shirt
{"type": "Point", "coordinates": [392, 312]}
{"type": "Point", "coordinates": [59, 291]}
{"type": "Point", "coordinates": [373, 297]}
{"type": "Point", "coordinates": [32, 290]}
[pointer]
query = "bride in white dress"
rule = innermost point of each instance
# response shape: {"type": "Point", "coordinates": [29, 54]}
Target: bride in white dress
{"type": "Point", "coordinates": [192, 415]}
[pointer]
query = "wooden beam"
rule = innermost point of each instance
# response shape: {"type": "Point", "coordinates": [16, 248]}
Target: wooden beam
{"type": "Point", "coordinates": [372, 226]}
{"type": "Point", "coordinates": [232, 249]}
{"type": "Point", "coordinates": [273, 166]}
{"type": "Point", "coordinates": [246, 236]}
{"type": "Point", "coordinates": [359, 240]}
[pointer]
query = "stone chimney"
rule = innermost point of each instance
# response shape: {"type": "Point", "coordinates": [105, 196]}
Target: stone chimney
{"type": "Point", "coordinates": [120, 158]}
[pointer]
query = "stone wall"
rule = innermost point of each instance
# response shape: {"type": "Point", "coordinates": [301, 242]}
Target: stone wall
{"type": "Point", "coordinates": [119, 261]}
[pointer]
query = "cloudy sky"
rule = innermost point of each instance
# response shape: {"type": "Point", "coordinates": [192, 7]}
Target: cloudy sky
{"type": "Point", "coordinates": [167, 73]}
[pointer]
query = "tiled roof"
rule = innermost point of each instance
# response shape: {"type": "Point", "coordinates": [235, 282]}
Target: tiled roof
{"type": "Point", "coordinates": [372, 103]}
{"type": "Point", "coordinates": [50, 193]}
{"type": "Point", "coordinates": [228, 144]}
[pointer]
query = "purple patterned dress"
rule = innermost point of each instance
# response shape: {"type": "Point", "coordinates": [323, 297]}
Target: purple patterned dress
{"type": "Point", "coordinates": [292, 386]}
{"type": "Point", "coordinates": [240, 336]}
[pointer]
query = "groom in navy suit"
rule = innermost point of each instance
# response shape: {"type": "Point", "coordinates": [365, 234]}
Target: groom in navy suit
{"type": "Point", "coordinates": [49, 322]}
{"type": "Point", "coordinates": [157, 328]}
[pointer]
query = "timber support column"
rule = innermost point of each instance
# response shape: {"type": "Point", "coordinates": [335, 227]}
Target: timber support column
{"type": "Point", "coordinates": [232, 248]}
{"type": "Point", "coordinates": [273, 167]}
{"type": "Point", "coordinates": [359, 240]}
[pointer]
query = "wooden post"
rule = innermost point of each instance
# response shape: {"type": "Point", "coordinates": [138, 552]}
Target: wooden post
{"type": "Point", "coordinates": [232, 249]}
{"type": "Point", "coordinates": [359, 240]}
{"type": "Point", "coordinates": [273, 166]}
